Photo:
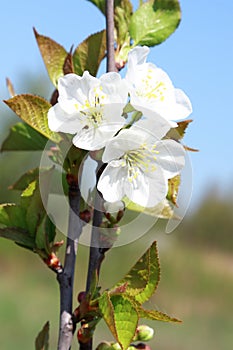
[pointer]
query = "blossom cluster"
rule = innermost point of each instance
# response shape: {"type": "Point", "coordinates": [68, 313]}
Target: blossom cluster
{"type": "Point", "coordinates": [139, 158]}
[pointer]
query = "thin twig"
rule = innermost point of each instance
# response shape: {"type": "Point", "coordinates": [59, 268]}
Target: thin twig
{"type": "Point", "coordinates": [66, 277]}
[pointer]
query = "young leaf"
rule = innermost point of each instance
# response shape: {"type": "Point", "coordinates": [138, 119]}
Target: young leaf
{"type": "Point", "coordinates": [42, 340]}
{"type": "Point", "coordinates": [89, 54]}
{"type": "Point", "coordinates": [22, 137]}
{"type": "Point", "coordinates": [155, 315]}
{"type": "Point", "coordinates": [53, 54]}
{"type": "Point", "coordinates": [143, 278]}
{"type": "Point", "coordinates": [154, 21]}
{"type": "Point", "coordinates": [178, 132]}
{"type": "Point", "coordinates": [33, 110]}
{"type": "Point", "coordinates": [121, 317]}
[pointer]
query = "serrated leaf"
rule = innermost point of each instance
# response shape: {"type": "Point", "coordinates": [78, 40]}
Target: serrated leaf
{"type": "Point", "coordinates": [156, 315]}
{"type": "Point", "coordinates": [22, 137]}
{"type": "Point", "coordinates": [42, 340]}
{"type": "Point", "coordinates": [143, 278]}
{"type": "Point", "coordinates": [173, 188]}
{"type": "Point", "coordinates": [121, 317]}
{"type": "Point", "coordinates": [178, 132]}
{"type": "Point", "coordinates": [54, 56]}
{"type": "Point", "coordinates": [33, 110]}
{"type": "Point", "coordinates": [154, 21]}
{"type": "Point", "coordinates": [89, 54]}
{"type": "Point", "coordinates": [107, 311]}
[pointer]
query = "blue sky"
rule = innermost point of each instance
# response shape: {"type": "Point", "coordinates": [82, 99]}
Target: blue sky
{"type": "Point", "coordinates": [198, 57]}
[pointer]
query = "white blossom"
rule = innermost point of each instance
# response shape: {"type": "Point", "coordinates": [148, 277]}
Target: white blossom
{"type": "Point", "coordinates": [89, 107]}
{"type": "Point", "coordinates": [151, 89]}
{"type": "Point", "coordinates": [140, 164]}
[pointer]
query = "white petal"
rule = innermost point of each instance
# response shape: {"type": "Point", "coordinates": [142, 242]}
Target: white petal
{"type": "Point", "coordinates": [111, 183]}
{"type": "Point", "coordinates": [184, 106]}
{"type": "Point", "coordinates": [95, 138]}
{"type": "Point", "coordinates": [58, 120]}
{"type": "Point", "coordinates": [154, 127]}
{"type": "Point", "coordinates": [146, 191]}
{"type": "Point", "coordinates": [114, 87]}
{"type": "Point", "coordinates": [138, 55]}
{"type": "Point", "coordinates": [171, 157]}
{"type": "Point", "coordinates": [74, 90]}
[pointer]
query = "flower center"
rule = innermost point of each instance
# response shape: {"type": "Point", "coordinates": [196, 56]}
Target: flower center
{"type": "Point", "coordinates": [141, 160]}
{"type": "Point", "coordinates": [92, 109]}
{"type": "Point", "coordinates": [151, 88]}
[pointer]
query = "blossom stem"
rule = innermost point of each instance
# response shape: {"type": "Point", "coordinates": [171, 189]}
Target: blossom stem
{"type": "Point", "coordinates": [66, 277]}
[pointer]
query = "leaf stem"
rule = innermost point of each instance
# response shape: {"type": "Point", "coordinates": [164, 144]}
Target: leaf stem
{"type": "Point", "coordinates": [66, 277]}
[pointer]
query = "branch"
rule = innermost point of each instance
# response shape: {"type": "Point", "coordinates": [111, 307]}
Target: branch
{"type": "Point", "coordinates": [96, 252]}
{"type": "Point", "coordinates": [66, 277]}
{"type": "Point", "coordinates": [109, 10]}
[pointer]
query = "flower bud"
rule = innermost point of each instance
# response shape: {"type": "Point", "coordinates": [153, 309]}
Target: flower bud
{"type": "Point", "coordinates": [143, 333]}
{"type": "Point", "coordinates": [108, 346]}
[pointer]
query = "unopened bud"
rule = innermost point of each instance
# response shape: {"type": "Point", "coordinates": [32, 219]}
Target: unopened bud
{"type": "Point", "coordinates": [143, 333]}
{"type": "Point", "coordinates": [108, 346]}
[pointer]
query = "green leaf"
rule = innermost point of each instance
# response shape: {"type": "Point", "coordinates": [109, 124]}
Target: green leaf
{"type": "Point", "coordinates": [19, 236]}
{"type": "Point", "coordinates": [25, 180]}
{"type": "Point", "coordinates": [121, 317]}
{"type": "Point", "coordinates": [32, 200]}
{"type": "Point", "coordinates": [89, 54]}
{"type": "Point", "coordinates": [156, 315]}
{"type": "Point", "coordinates": [12, 215]}
{"type": "Point", "coordinates": [33, 110]}
{"type": "Point", "coordinates": [42, 340]}
{"type": "Point", "coordinates": [23, 137]}
{"type": "Point", "coordinates": [27, 223]}
{"type": "Point", "coordinates": [54, 56]}
{"type": "Point", "coordinates": [154, 21]}
{"type": "Point", "coordinates": [13, 225]}
{"type": "Point", "coordinates": [142, 280]}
